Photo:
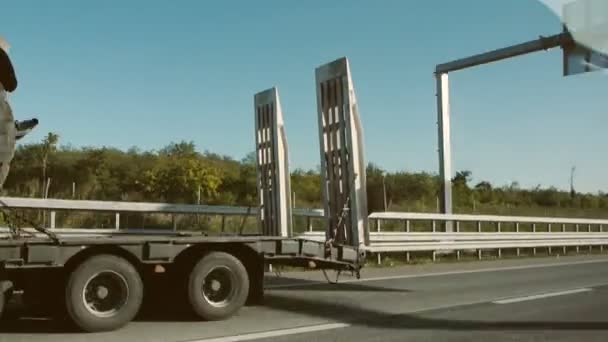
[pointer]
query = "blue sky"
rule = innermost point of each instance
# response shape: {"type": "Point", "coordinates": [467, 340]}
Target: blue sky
{"type": "Point", "coordinates": [147, 73]}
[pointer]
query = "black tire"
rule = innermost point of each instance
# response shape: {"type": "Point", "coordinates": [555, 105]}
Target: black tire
{"type": "Point", "coordinates": [103, 293]}
{"type": "Point", "coordinates": [218, 286]}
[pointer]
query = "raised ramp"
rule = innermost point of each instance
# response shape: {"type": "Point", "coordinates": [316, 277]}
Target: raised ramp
{"type": "Point", "coordinates": [342, 155]}
{"type": "Point", "coordinates": [274, 190]}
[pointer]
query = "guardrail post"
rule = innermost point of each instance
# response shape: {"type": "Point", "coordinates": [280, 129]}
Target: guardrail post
{"type": "Point", "coordinates": [517, 250]}
{"type": "Point", "coordinates": [498, 230]}
{"type": "Point", "coordinates": [378, 228]}
{"type": "Point", "coordinates": [223, 223]}
{"type": "Point", "coordinates": [458, 231]}
{"type": "Point", "coordinates": [309, 223]}
{"type": "Point", "coordinates": [601, 228]}
{"type": "Point", "coordinates": [564, 249]}
{"type": "Point", "coordinates": [589, 230]}
{"type": "Point", "coordinates": [434, 256]}
{"type": "Point", "coordinates": [549, 230]}
{"type": "Point", "coordinates": [117, 221]}
{"type": "Point", "coordinates": [577, 230]}
{"type": "Point", "coordinates": [479, 226]}
{"type": "Point", "coordinates": [434, 226]}
{"type": "Point", "coordinates": [601, 246]}
{"type": "Point", "coordinates": [407, 230]}
{"type": "Point", "coordinates": [52, 219]}
{"type": "Point", "coordinates": [534, 231]}
{"type": "Point", "coordinates": [174, 222]}
{"type": "Point", "coordinates": [479, 254]}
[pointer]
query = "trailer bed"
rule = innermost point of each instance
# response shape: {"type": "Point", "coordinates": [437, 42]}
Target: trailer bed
{"type": "Point", "coordinates": [160, 247]}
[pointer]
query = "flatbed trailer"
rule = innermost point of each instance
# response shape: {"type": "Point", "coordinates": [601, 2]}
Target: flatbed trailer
{"type": "Point", "coordinates": [99, 280]}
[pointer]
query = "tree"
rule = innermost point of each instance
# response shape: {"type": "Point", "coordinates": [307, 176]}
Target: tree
{"type": "Point", "coordinates": [49, 146]}
{"type": "Point", "coordinates": [179, 178]}
{"type": "Point", "coordinates": [307, 186]}
{"type": "Point", "coordinates": [247, 184]}
{"type": "Point", "coordinates": [181, 149]}
{"type": "Point", "coordinates": [546, 197]}
{"type": "Point", "coordinates": [483, 186]}
{"type": "Point", "coordinates": [462, 178]}
{"type": "Point", "coordinates": [375, 188]}
{"type": "Point", "coordinates": [483, 191]}
{"type": "Point", "coordinates": [462, 194]}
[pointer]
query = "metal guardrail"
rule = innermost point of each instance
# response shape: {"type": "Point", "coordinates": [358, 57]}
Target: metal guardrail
{"type": "Point", "coordinates": [402, 216]}
{"type": "Point", "coordinates": [583, 232]}
{"type": "Point", "coordinates": [383, 242]}
{"type": "Point", "coordinates": [559, 232]}
{"type": "Point", "coordinates": [435, 240]}
{"type": "Point", "coordinates": [54, 205]}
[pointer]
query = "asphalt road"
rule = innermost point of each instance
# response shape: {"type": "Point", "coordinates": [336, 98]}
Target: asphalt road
{"type": "Point", "coordinates": [510, 300]}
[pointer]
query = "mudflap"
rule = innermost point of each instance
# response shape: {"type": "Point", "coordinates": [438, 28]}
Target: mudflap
{"type": "Point", "coordinates": [256, 284]}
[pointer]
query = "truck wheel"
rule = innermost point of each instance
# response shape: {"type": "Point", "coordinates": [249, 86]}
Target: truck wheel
{"type": "Point", "coordinates": [103, 293]}
{"type": "Point", "coordinates": [218, 286]}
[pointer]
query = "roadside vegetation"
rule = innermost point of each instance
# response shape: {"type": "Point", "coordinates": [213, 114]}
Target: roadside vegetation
{"type": "Point", "coordinates": [178, 173]}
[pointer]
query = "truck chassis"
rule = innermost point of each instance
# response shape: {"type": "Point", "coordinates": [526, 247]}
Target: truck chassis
{"type": "Point", "coordinates": [99, 281]}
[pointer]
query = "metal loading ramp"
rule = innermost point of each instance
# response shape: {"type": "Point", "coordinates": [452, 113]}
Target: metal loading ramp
{"type": "Point", "coordinates": [342, 156]}
{"type": "Point", "coordinates": [272, 166]}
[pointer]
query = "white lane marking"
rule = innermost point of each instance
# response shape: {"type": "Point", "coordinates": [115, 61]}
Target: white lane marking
{"type": "Point", "coordinates": [436, 274]}
{"type": "Point", "coordinates": [274, 333]}
{"type": "Point", "coordinates": [539, 296]}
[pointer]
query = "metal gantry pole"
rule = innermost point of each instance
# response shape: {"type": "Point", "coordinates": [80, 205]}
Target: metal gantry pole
{"type": "Point", "coordinates": [443, 102]}
{"type": "Point", "coordinates": [445, 151]}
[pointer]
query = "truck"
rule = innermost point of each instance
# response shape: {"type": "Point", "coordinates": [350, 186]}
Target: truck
{"type": "Point", "coordinates": [99, 279]}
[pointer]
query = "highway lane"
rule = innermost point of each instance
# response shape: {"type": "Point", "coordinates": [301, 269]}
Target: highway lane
{"type": "Point", "coordinates": [579, 316]}
{"type": "Point", "coordinates": [447, 301]}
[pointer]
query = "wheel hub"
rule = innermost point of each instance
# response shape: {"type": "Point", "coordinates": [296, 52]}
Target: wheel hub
{"type": "Point", "coordinates": [219, 286]}
{"type": "Point", "coordinates": [105, 293]}
{"type": "Point", "coordinates": [102, 292]}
